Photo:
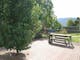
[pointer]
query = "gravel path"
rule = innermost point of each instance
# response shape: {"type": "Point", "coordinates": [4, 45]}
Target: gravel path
{"type": "Point", "coordinates": [42, 50]}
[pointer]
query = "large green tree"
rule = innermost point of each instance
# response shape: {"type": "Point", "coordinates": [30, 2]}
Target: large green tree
{"type": "Point", "coordinates": [16, 24]}
{"type": "Point", "coordinates": [20, 20]}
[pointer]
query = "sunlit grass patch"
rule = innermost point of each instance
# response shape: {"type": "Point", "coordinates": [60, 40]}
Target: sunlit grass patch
{"type": "Point", "coordinates": [75, 34]}
{"type": "Point", "coordinates": [76, 39]}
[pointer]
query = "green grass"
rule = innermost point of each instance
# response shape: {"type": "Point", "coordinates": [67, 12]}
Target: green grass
{"type": "Point", "coordinates": [75, 37]}
{"type": "Point", "coordinates": [75, 34]}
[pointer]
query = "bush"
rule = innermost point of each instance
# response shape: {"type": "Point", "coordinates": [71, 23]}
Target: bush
{"type": "Point", "coordinates": [64, 31]}
{"type": "Point", "coordinates": [38, 36]}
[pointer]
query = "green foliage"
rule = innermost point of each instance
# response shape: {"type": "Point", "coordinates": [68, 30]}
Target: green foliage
{"type": "Point", "coordinates": [77, 22]}
{"type": "Point", "coordinates": [63, 31]}
{"type": "Point", "coordinates": [70, 22]}
{"type": "Point", "coordinates": [37, 24]}
{"type": "Point", "coordinates": [16, 24]}
{"type": "Point", "coordinates": [56, 26]}
{"type": "Point", "coordinates": [20, 20]}
{"type": "Point", "coordinates": [45, 12]}
{"type": "Point", "coordinates": [42, 13]}
{"type": "Point", "coordinates": [38, 35]}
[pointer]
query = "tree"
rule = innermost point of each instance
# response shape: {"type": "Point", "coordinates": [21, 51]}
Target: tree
{"type": "Point", "coordinates": [56, 25]}
{"type": "Point", "coordinates": [20, 20]}
{"type": "Point", "coordinates": [37, 24]}
{"type": "Point", "coordinates": [70, 22]}
{"type": "Point", "coordinates": [78, 22]}
{"type": "Point", "coordinates": [16, 24]}
{"type": "Point", "coordinates": [46, 12]}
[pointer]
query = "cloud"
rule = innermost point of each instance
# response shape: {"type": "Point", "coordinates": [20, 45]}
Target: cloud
{"type": "Point", "coordinates": [66, 8]}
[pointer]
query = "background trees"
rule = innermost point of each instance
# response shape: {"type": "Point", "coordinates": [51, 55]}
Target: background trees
{"type": "Point", "coordinates": [56, 25]}
{"type": "Point", "coordinates": [73, 25]}
{"type": "Point", "coordinates": [46, 12]}
{"type": "Point", "coordinates": [77, 22]}
{"type": "Point", "coordinates": [70, 22]}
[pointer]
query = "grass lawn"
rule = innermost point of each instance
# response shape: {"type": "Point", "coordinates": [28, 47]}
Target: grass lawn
{"type": "Point", "coordinates": [75, 37]}
{"type": "Point", "coordinates": [75, 34]}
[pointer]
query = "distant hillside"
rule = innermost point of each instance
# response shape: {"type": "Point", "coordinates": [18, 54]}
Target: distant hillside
{"type": "Point", "coordinates": [63, 21]}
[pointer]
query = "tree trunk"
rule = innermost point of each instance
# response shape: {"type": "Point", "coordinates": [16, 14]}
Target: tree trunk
{"type": "Point", "coordinates": [17, 51]}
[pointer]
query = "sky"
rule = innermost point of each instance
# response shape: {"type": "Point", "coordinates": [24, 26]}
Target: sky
{"type": "Point", "coordinates": [66, 8]}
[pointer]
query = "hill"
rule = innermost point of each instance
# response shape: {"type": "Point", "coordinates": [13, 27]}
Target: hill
{"type": "Point", "coordinates": [63, 21]}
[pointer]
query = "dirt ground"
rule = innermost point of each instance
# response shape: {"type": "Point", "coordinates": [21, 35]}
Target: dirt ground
{"type": "Point", "coordinates": [42, 50]}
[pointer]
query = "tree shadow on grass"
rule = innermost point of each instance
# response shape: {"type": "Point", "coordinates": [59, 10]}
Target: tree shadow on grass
{"type": "Point", "coordinates": [13, 56]}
